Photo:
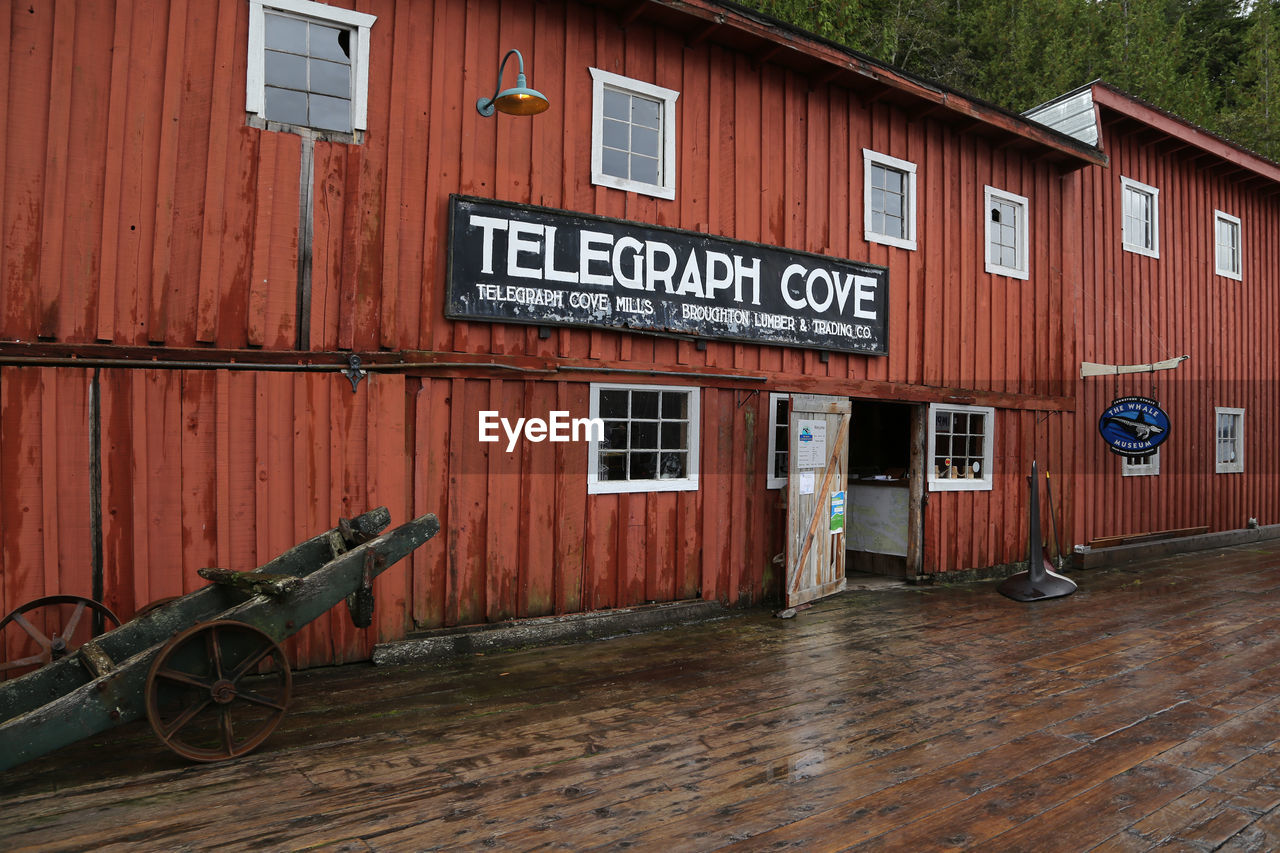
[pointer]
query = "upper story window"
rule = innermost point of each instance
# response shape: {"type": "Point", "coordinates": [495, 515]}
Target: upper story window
{"type": "Point", "coordinates": [1006, 233]}
{"type": "Point", "coordinates": [1141, 466]}
{"type": "Point", "coordinates": [889, 200]}
{"type": "Point", "coordinates": [779, 444]}
{"type": "Point", "coordinates": [308, 66]}
{"type": "Point", "coordinates": [1229, 440]}
{"type": "Point", "coordinates": [650, 441]}
{"type": "Point", "coordinates": [633, 135]}
{"type": "Point", "coordinates": [1226, 229]}
{"type": "Point", "coordinates": [960, 443]}
{"type": "Point", "coordinates": [1141, 211]}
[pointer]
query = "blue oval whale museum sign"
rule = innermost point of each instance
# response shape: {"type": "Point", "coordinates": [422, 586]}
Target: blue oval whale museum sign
{"type": "Point", "coordinates": [1134, 426]}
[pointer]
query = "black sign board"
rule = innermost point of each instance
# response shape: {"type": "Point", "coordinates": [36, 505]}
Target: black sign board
{"type": "Point", "coordinates": [521, 264]}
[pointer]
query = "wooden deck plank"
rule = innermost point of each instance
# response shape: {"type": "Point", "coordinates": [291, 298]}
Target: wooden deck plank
{"type": "Point", "coordinates": [1101, 811]}
{"type": "Point", "coordinates": [1139, 714]}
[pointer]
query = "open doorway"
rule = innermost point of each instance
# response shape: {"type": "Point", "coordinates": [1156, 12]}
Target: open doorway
{"type": "Point", "coordinates": [882, 533]}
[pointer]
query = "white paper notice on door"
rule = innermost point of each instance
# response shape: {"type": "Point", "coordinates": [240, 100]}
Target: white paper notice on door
{"type": "Point", "coordinates": [811, 444]}
{"type": "Point", "coordinates": [806, 482]}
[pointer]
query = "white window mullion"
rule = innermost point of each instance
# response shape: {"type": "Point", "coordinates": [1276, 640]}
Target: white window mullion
{"type": "Point", "coordinates": [1227, 251]}
{"type": "Point", "coordinates": [1007, 241]}
{"type": "Point", "coordinates": [960, 449]}
{"type": "Point", "coordinates": [638, 146]}
{"type": "Point", "coordinates": [1141, 466]}
{"type": "Point", "coordinates": [876, 214]}
{"type": "Point", "coordinates": [318, 17]}
{"type": "Point", "coordinates": [1140, 213]}
{"type": "Point", "coordinates": [1228, 440]}
{"type": "Point", "coordinates": [779, 444]}
{"type": "Point", "coordinates": [617, 445]}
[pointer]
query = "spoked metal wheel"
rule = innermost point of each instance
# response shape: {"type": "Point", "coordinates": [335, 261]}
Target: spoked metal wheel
{"type": "Point", "coordinates": [48, 629]}
{"type": "Point", "coordinates": [218, 690]}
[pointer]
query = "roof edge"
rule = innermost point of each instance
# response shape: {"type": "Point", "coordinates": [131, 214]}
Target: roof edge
{"type": "Point", "coordinates": [1107, 95]}
{"type": "Point", "coordinates": [846, 60]}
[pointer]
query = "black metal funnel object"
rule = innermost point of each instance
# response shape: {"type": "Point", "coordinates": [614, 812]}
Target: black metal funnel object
{"type": "Point", "coordinates": [1039, 581]}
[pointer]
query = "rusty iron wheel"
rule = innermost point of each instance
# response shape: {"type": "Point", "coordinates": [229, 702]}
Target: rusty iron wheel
{"type": "Point", "coordinates": [217, 690]}
{"type": "Point", "coordinates": [48, 629]}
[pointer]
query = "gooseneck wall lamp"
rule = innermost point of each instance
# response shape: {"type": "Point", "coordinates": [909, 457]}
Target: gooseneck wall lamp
{"type": "Point", "coordinates": [519, 100]}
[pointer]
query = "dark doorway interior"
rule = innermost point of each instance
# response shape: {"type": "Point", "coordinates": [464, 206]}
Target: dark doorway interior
{"type": "Point", "coordinates": [876, 527]}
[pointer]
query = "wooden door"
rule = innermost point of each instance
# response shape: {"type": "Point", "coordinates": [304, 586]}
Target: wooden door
{"type": "Point", "coordinates": [819, 452]}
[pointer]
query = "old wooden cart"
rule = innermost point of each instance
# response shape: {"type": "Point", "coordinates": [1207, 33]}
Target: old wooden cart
{"type": "Point", "coordinates": [205, 669]}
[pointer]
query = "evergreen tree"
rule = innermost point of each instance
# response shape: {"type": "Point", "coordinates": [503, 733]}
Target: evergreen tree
{"type": "Point", "coordinates": [1212, 62]}
{"type": "Point", "coordinates": [1253, 117]}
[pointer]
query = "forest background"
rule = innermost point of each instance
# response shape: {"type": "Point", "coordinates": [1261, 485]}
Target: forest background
{"type": "Point", "coordinates": [1215, 63]}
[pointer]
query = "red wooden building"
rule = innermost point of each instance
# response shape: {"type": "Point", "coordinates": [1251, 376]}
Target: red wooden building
{"type": "Point", "coordinates": [209, 208]}
{"type": "Point", "coordinates": [1178, 235]}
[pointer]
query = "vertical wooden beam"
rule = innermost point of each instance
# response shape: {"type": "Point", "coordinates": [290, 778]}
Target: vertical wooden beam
{"type": "Point", "coordinates": [306, 236]}
{"type": "Point", "coordinates": [95, 491]}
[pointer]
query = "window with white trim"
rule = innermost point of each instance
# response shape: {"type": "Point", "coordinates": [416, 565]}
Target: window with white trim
{"type": "Point", "coordinates": [308, 66]}
{"type": "Point", "coordinates": [960, 447]}
{"type": "Point", "coordinates": [1141, 466]}
{"type": "Point", "coordinates": [633, 135]}
{"type": "Point", "coordinates": [1229, 440]}
{"type": "Point", "coordinates": [1226, 231]}
{"type": "Point", "coordinates": [650, 441]}
{"type": "Point", "coordinates": [1140, 231]}
{"type": "Point", "coordinates": [1006, 216]}
{"type": "Point", "coordinates": [779, 445]}
{"type": "Point", "coordinates": [889, 200]}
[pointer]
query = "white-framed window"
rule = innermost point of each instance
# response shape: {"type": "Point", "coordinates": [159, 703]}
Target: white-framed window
{"type": "Point", "coordinates": [960, 447]}
{"type": "Point", "coordinates": [308, 66]}
{"type": "Point", "coordinates": [779, 444]}
{"type": "Point", "coordinates": [1007, 247]}
{"type": "Point", "coordinates": [1140, 231]}
{"type": "Point", "coordinates": [1226, 238]}
{"type": "Point", "coordinates": [633, 135]}
{"type": "Point", "coordinates": [1229, 442]}
{"type": "Point", "coordinates": [650, 441]}
{"type": "Point", "coordinates": [1141, 466]}
{"type": "Point", "coordinates": [889, 200]}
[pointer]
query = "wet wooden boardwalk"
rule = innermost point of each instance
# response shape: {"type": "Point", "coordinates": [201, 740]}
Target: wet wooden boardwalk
{"type": "Point", "coordinates": [1141, 713]}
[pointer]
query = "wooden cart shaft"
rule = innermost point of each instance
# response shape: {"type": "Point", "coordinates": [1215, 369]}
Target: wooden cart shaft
{"type": "Point", "coordinates": [73, 698]}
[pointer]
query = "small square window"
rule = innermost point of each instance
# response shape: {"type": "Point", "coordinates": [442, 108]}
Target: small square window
{"type": "Point", "coordinates": [889, 200]}
{"type": "Point", "coordinates": [307, 66]}
{"type": "Point", "coordinates": [1140, 231]}
{"type": "Point", "coordinates": [1006, 217]}
{"type": "Point", "coordinates": [633, 138]}
{"type": "Point", "coordinates": [1229, 440]}
{"type": "Point", "coordinates": [650, 439]}
{"type": "Point", "coordinates": [1226, 230]}
{"type": "Point", "coordinates": [960, 444]}
{"type": "Point", "coordinates": [1141, 466]}
{"type": "Point", "coordinates": [779, 423]}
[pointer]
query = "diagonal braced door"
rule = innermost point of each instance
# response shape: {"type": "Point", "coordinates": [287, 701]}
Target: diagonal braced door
{"type": "Point", "coordinates": [819, 452]}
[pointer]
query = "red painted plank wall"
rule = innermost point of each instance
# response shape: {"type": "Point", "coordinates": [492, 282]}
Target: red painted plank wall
{"type": "Point", "coordinates": [199, 468]}
{"type": "Point", "coordinates": [967, 530]}
{"type": "Point", "coordinates": [1139, 309]}
{"type": "Point", "coordinates": [163, 219]}
{"type": "Point", "coordinates": [203, 468]}
{"type": "Point", "coordinates": [219, 468]}
{"type": "Point", "coordinates": [521, 537]}
{"type": "Point", "coordinates": [138, 209]}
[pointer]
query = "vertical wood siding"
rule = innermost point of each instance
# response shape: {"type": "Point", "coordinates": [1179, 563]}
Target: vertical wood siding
{"type": "Point", "coordinates": [199, 468]}
{"type": "Point", "coordinates": [139, 209]}
{"type": "Point", "coordinates": [1142, 309]}
{"type": "Point", "coordinates": [164, 219]}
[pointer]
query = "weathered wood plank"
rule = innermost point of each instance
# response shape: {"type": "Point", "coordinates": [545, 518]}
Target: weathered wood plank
{"type": "Point", "coordinates": [908, 719]}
